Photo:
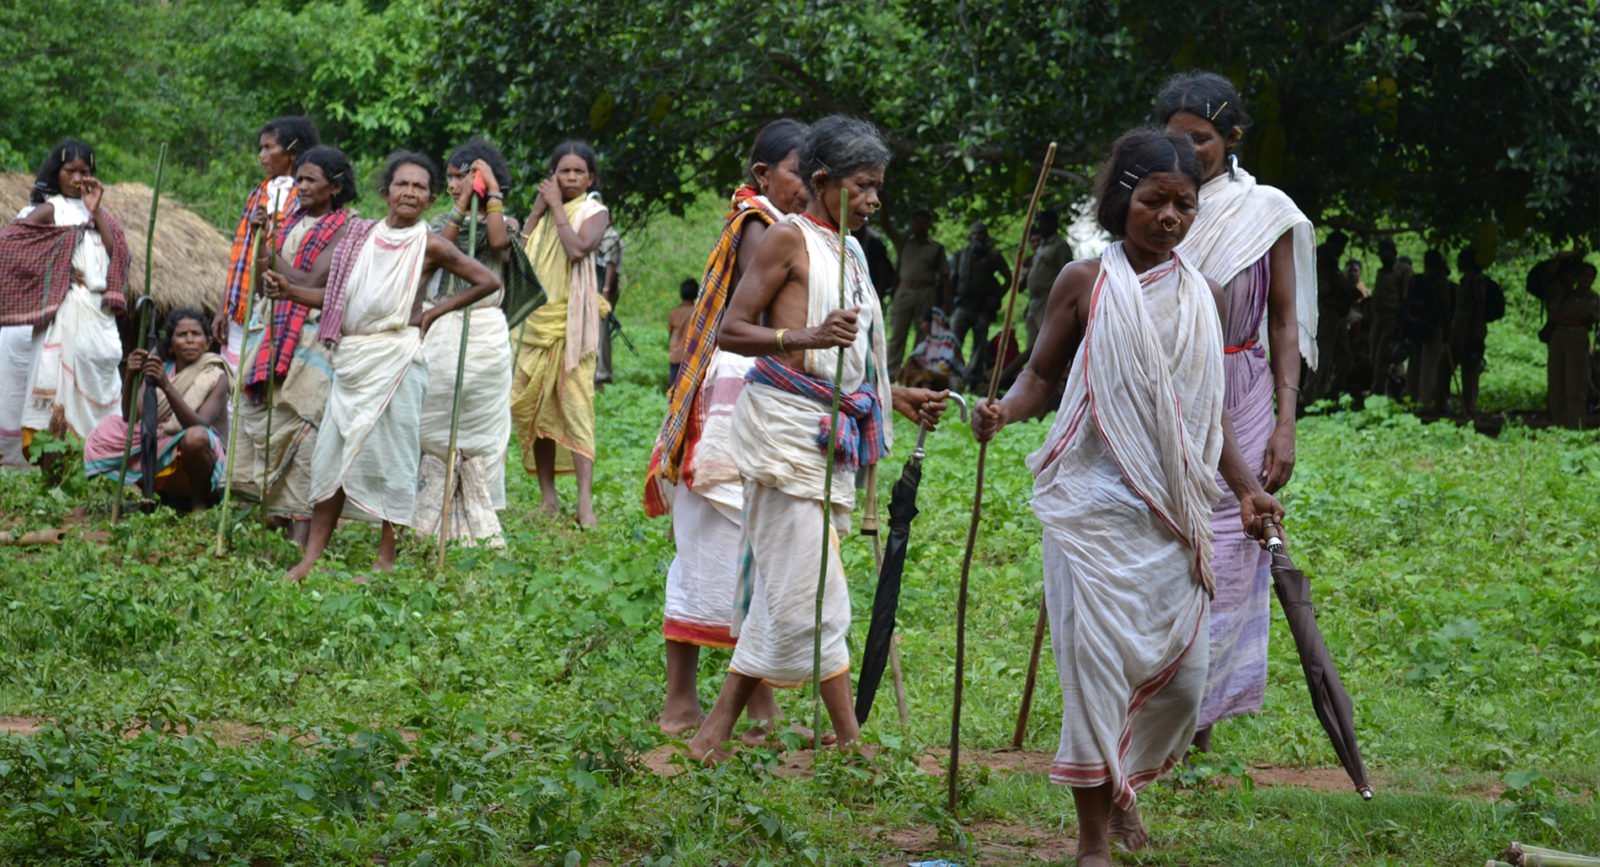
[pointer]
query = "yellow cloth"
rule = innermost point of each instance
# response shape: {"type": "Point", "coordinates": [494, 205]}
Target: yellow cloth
{"type": "Point", "coordinates": [552, 392]}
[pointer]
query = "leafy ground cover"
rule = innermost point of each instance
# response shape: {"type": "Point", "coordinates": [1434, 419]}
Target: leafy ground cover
{"type": "Point", "coordinates": [162, 704]}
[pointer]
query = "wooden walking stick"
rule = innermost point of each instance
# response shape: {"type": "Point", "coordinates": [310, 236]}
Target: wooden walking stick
{"type": "Point", "coordinates": [455, 403]}
{"type": "Point", "coordinates": [130, 384]}
{"type": "Point", "coordinates": [827, 498]}
{"type": "Point", "coordinates": [1033, 677]}
{"type": "Point", "coordinates": [272, 364]}
{"type": "Point", "coordinates": [953, 781]}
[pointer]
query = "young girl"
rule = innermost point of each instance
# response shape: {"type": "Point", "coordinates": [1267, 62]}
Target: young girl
{"type": "Point", "coordinates": [66, 274]}
{"type": "Point", "coordinates": [192, 387]}
{"type": "Point", "coordinates": [552, 393]}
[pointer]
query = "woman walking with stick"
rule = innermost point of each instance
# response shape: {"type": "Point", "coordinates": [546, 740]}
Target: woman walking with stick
{"type": "Point", "coordinates": [810, 349]}
{"type": "Point", "coordinates": [1124, 486]}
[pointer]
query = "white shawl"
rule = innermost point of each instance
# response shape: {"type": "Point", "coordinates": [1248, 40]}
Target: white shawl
{"type": "Point", "coordinates": [1238, 223]}
{"type": "Point", "coordinates": [1149, 375]}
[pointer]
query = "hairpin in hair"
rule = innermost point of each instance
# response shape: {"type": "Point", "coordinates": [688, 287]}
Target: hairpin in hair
{"type": "Point", "coordinates": [1126, 185]}
{"type": "Point", "coordinates": [1219, 109]}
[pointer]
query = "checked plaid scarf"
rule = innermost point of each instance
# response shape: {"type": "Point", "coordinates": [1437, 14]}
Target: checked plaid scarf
{"type": "Point", "coordinates": [860, 412]}
{"type": "Point", "coordinates": [36, 268]}
{"type": "Point", "coordinates": [331, 327]}
{"type": "Point", "coordinates": [240, 274]}
{"type": "Point", "coordinates": [289, 318]}
{"type": "Point", "coordinates": [700, 344]}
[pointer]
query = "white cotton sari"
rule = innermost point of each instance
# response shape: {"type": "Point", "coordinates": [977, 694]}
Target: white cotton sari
{"type": "Point", "coordinates": [76, 364]}
{"type": "Point", "coordinates": [369, 443]}
{"type": "Point", "coordinates": [1124, 488]}
{"type": "Point", "coordinates": [774, 444]}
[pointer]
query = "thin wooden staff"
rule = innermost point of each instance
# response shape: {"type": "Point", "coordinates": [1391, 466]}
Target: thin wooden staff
{"type": "Point", "coordinates": [146, 303]}
{"type": "Point", "coordinates": [1033, 677]}
{"type": "Point", "coordinates": [954, 779]}
{"type": "Point", "coordinates": [233, 418]}
{"type": "Point", "coordinates": [827, 498]}
{"type": "Point", "coordinates": [272, 360]}
{"type": "Point", "coordinates": [455, 403]}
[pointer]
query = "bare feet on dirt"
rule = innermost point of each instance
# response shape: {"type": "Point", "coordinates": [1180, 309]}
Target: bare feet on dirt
{"type": "Point", "coordinates": [678, 722]}
{"type": "Point", "coordinates": [1128, 829]}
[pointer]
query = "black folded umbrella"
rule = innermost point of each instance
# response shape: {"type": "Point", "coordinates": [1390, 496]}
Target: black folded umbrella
{"type": "Point", "coordinates": [1328, 696]}
{"type": "Point", "coordinates": [148, 429]}
{"type": "Point", "coordinates": [886, 599]}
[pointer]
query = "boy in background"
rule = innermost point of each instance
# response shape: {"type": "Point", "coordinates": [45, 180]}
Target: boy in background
{"type": "Point", "coordinates": [677, 327]}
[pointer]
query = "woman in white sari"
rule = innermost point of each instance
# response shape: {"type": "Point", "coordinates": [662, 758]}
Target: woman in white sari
{"type": "Point", "coordinates": [1124, 486]}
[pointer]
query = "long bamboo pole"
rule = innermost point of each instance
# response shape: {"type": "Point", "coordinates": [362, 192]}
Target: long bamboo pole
{"type": "Point", "coordinates": [233, 420]}
{"type": "Point", "coordinates": [455, 403]}
{"type": "Point", "coordinates": [953, 781]}
{"type": "Point", "coordinates": [827, 497]}
{"type": "Point", "coordinates": [272, 363]}
{"type": "Point", "coordinates": [135, 377]}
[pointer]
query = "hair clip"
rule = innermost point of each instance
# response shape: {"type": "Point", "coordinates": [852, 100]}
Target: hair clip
{"type": "Point", "coordinates": [1131, 175]}
{"type": "Point", "coordinates": [1218, 111]}
{"type": "Point", "coordinates": [1125, 186]}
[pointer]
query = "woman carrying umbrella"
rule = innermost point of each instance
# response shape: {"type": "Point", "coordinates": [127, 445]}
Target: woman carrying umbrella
{"type": "Point", "coordinates": [192, 387]}
{"type": "Point", "coordinates": [1124, 486]}
{"type": "Point", "coordinates": [1250, 239]}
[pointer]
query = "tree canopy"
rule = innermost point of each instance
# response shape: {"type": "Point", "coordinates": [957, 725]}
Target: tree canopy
{"type": "Point", "coordinates": [1460, 119]}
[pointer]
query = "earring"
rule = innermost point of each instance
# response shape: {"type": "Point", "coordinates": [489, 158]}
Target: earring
{"type": "Point", "coordinates": [1233, 166]}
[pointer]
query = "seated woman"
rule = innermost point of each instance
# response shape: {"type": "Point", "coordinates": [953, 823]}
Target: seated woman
{"type": "Point", "coordinates": [935, 362]}
{"type": "Point", "coordinates": [191, 416]}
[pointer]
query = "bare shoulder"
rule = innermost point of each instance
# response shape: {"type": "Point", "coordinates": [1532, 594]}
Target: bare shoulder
{"type": "Point", "coordinates": [44, 213]}
{"type": "Point", "coordinates": [1077, 277]}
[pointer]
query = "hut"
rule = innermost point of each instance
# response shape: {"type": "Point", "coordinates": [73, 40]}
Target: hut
{"type": "Point", "coordinates": [190, 261]}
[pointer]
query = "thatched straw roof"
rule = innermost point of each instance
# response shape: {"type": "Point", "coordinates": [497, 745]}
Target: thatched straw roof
{"type": "Point", "coordinates": [190, 262]}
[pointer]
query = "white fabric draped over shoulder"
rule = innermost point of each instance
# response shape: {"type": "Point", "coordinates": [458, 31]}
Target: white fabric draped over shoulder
{"type": "Point", "coordinates": [1123, 486]}
{"type": "Point", "coordinates": [1149, 378]}
{"type": "Point", "coordinates": [775, 433]}
{"type": "Point", "coordinates": [1238, 222]}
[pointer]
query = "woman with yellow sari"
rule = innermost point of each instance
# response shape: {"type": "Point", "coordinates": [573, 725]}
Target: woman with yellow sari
{"type": "Point", "coordinates": [552, 392]}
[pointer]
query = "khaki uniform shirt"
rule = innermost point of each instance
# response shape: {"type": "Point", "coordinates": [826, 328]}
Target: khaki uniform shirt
{"type": "Point", "coordinates": [922, 265]}
{"type": "Point", "coordinates": [1048, 260]}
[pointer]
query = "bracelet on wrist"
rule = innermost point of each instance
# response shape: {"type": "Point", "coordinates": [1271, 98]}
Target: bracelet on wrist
{"type": "Point", "coordinates": [777, 338]}
{"type": "Point", "coordinates": [496, 197]}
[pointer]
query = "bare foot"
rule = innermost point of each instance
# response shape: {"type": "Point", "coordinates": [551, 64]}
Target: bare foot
{"type": "Point", "coordinates": [706, 753]}
{"type": "Point", "coordinates": [298, 573]}
{"type": "Point", "coordinates": [675, 723]}
{"type": "Point", "coordinates": [1128, 829]}
{"type": "Point", "coordinates": [385, 563]}
{"type": "Point", "coordinates": [1093, 859]}
{"type": "Point", "coordinates": [586, 517]}
{"type": "Point", "coordinates": [550, 508]}
{"type": "Point", "coordinates": [360, 579]}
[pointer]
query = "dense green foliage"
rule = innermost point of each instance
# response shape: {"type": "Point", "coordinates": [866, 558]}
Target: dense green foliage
{"type": "Point", "coordinates": [496, 713]}
{"type": "Point", "coordinates": [1461, 120]}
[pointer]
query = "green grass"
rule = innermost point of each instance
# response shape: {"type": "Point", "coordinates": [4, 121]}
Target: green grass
{"type": "Point", "coordinates": [199, 709]}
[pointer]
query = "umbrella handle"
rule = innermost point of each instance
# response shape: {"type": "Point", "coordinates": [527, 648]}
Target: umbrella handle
{"type": "Point", "coordinates": [922, 430]}
{"type": "Point", "coordinates": [1274, 538]}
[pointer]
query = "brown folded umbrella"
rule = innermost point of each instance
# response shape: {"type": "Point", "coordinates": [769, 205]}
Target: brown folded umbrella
{"type": "Point", "coordinates": [1328, 696]}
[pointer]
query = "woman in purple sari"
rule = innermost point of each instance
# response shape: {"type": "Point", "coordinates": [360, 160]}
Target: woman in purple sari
{"type": "Point", "coordinates": [1252, 240]}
